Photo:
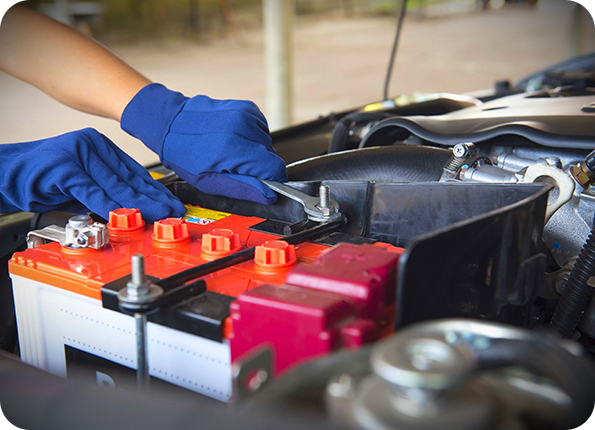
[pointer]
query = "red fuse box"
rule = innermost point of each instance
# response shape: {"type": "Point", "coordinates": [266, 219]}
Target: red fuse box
{"type": "Point", "coordinates": [345, 298]}
{"type": "Point", "coordinates": [365, 274]}
{"type": "Point", "coordinates": [298, 323]}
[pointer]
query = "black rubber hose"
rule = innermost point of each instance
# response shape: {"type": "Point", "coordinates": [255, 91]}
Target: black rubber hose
{"type": "Point", "coordinates": [576, 293]}
{"type": "Point", "coordinates": [398, 163]}
{"type": "Point", "coordinates": [546, 357]}
{"type": "Point", "coordinates": [340, 138]}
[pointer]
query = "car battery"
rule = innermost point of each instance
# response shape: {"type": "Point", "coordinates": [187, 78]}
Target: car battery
{"type": "Point", "coordinates": [69, 321]}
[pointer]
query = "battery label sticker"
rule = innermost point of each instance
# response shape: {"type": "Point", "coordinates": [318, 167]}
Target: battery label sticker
{"type": "Point", "coordinates": [91, 369]}
{"type": "Point", "coordinates": [203, 216]}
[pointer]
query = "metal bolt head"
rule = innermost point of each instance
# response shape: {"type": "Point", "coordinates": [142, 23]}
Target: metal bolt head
{"type": "Point", "coordinates": [326, 212]}
{"type": "Point", "coordinates": [581, 176]}
{"type": "Point", "coordinates": [139, 289]}
{"type": "Point", "coordinates": [424, 363]}
{"type": "Point", "coordinates": [463, 150]}
{"type": "Point", "coordinates": [459, 151]}
{"type": "Point", "coordinates": [82, 240]}
{"type": "Point", "coordinates": [325, 206]}
{"type": "Point", "coordinates": [80, 221]}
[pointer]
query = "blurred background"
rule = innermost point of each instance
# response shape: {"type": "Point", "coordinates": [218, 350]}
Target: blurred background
{"type": "Point", "coordinates": [341, 50]}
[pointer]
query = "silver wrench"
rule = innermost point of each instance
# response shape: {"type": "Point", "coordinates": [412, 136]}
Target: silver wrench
{"type": "Point", "coordinates": [321, 209]}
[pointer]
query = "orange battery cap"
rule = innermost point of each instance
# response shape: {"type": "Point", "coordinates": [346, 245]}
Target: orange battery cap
{"type": "Point", "coordinates": [170, 231]}
{"type": "Point", "coordinates": [276, 254]}
{"type": "Point", "coordinates": [220, 242]}
{"type": "Point", "coordinates": [125, 220]}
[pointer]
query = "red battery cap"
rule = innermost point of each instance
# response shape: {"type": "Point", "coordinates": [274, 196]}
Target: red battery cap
{"type": "Point", "coordinates": [125, 220]}
{"type": "Point", "coordinates": [276, 254]}
{"type": "Point", "coordinates": [220, 242]}
{"type": "Point", "coordinates": [170, 230]}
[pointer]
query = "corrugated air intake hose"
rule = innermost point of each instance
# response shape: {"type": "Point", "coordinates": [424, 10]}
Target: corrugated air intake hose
{"type": "Point", "coordinates": [398, 163]}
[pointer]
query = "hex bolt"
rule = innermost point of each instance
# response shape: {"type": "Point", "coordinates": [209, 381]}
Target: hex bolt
{"type": "Point", "coordinates": [324, 205]}
{"type": "Point", "coordinates": [325, 196]}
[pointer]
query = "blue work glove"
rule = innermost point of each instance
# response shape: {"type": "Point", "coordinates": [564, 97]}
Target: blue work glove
{"type": "Point", "coordinates": [83, 166]}
{"type": "Point", "coordinates": [218, 146]}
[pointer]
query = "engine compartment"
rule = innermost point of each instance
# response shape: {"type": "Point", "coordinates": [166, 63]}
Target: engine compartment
{"type": "Point", "coordinates": [430, 264]}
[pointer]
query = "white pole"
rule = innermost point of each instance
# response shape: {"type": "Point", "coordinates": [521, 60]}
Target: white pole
{"type": "Point", "coordinates": [278, 41]}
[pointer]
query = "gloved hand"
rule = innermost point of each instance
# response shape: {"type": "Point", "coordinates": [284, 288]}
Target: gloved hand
{"type": "Point", "coordinates": [83, 166]}
{"type": "Point", "coordinates": [218, 146]}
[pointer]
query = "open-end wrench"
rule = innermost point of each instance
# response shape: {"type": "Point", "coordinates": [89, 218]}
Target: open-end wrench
{"type": "Point", "coordinates": [319, 209]}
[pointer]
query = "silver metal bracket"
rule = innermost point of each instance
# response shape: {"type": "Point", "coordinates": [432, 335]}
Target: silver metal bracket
{"type": "Point", "coordinates": [564, 184]}
{"type": "Point", "coordinates": [80, 232]}
{"type": "Point", "coordinates": [252, 373]}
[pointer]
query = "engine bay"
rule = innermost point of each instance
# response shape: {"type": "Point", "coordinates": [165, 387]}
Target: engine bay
{"type": "Point", "coordinates": [430, 264]}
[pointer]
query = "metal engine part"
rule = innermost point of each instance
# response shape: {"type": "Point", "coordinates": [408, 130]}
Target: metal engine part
{"type": "Point", "coordinates": [443, 374]}
{"type": "Point", "coordinates": [571, 206]}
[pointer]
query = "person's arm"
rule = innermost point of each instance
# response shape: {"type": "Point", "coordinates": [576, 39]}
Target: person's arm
{"type": "Point", "coordinates": [70, 67]}
{"type": "Point", "coordinates": [221, 147]}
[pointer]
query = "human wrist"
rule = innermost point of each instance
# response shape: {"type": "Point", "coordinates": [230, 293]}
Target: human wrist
{"type": "Point", "coordinates": [126, 92]}
{"type": "Point", "coordinates": [148, 116]}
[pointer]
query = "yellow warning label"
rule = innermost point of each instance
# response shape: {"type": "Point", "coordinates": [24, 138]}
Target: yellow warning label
{"type": "Point", "coordinates": [156, 175]}
{"type": "Point", "coordinates": [203, 216]}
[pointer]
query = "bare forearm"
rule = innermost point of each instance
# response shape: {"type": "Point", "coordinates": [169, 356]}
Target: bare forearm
{"type": "Point", "coordinates": [66, 65]}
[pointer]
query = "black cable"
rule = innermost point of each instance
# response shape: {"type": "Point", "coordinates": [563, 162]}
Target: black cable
{"type": "Point", "coordinates": [242, 256]}
{"type": "Point", "coordinates": [576, 293]}
{"type": "Point", "coordinates": [339, 139]}
{"type": "Point", "coordinates": [393, 53]}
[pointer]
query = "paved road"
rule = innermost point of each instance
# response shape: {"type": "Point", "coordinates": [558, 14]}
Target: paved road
{"type": "Point", "coordinates": [338, 64]}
